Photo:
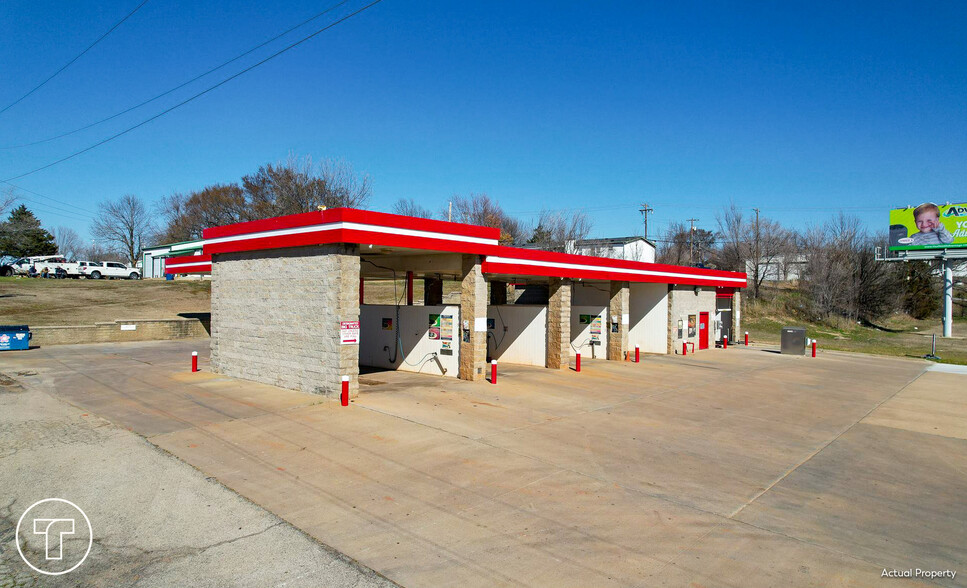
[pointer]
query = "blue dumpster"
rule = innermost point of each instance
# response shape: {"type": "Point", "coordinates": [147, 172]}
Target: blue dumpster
{"type": "Point", "coordinates": [14, 337]}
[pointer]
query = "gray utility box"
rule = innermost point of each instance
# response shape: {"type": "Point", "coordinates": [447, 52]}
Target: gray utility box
{"type": "Point", "coordinates": [794, 340]}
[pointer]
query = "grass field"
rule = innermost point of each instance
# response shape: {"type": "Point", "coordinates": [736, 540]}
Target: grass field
{"type": "Point", "coordinates": [38, 302]}
{"type": "Point", "coordinates": [898, 335]}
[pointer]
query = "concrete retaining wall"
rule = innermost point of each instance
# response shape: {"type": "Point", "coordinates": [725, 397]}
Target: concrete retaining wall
{"type": "Point", "coordinates": [134, 330]}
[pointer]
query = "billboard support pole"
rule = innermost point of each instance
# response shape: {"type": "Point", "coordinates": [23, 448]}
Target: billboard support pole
{"type": "Point", "coordinates": [948, 295]}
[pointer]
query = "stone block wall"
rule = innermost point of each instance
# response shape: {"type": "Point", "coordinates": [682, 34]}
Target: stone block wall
{"type": "Point", "coordinates": [276, 316]}
{"type": "Point", "coordinates": [473, 308]}
{"type": "Point", "coordinates": [558, 324]}
{"type": "Point", "coordinates": [683, 301]}
{"type": "Point", "coordinates": [618, 314]}
{"type": "Point", "coordinates": [737, 315]}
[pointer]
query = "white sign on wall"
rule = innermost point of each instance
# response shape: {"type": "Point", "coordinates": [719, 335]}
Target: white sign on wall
{"type": "Point", "coordinates": [349, 333]}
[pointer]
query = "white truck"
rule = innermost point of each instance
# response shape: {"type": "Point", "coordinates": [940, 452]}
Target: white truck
{"type": "Point", "coordinates": [96, 270]}
{"type": "Point", "coordinates": [51, 262]}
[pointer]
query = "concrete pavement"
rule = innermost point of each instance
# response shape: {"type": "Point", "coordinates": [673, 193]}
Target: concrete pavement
{"type": "Point", "coordinates": [156, 520]}
{"type": "Point", "coordinates": [726, 468]}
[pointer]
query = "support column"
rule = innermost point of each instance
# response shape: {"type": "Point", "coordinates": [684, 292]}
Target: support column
{"type": "Point", "coordinates": [409, 288]}
{"type": "Point", "coordinates": [672, 321]}
{"type": "Point", "coordinates": [618, 314]}
{"type": "Point", "coordinates": [737, 314]}
{"type": "Point", "coordinates": [498, 293]}
{"type": "Point", "coordinates": [361, 289]}
{"type": "Point", "coordinates": [558, 345]}
{"type": "Point", "coordinates": [473, 320]}
{"type": "Point", "coordinates": [432, 291]}
{"type": "Point", "coordinates": [347, 309]}
{"type": "Point", "coordinates": [948, 298]}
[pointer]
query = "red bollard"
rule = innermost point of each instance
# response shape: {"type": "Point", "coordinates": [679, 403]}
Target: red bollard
{"type": "Point", "coordinates": [493, 371]}
{"type": "Point", "coordinates": [577, 364]}
{"type": "Point", "coordinates": [684, 348]}
{"type": "Point", "coordinates": [814, 348]}
{"type": "Point", "coordinates": [194, 361]}
{"type": "Point", "coordinates": [746, 338]}
{"type": "Point", "coordinates": [725, 342]}
{"type": "Point", "coordinates": [637, 354]}
{"type": "Point", "coordinates": [344, 397]}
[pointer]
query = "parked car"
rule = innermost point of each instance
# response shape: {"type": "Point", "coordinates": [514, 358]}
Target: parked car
{"type": "Point", "coordinates": [96, 270]}
{"type": "Point", "coordinates": [6, 265]}
{"type": "Point", "coordinates": [73, 268]}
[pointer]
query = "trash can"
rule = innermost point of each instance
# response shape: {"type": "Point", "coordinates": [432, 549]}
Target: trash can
{"type": "Point", "coordinates": [14, 337]}
{"type": "Point", "coordinates": [793, 340]}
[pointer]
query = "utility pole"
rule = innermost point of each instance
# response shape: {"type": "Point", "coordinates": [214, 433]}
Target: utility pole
{"type": "Point", "coordinates": [450, 211]}
{"type": "Point", "coordinates": [691, 234]}
{"type": "Point", "coordinates": [644, 210]}
{"type": "Point", "coordinates": [755, 257]}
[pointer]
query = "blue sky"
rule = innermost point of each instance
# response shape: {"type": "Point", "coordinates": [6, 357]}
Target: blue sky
{"type": "Point", "coordinates": [800, 110]}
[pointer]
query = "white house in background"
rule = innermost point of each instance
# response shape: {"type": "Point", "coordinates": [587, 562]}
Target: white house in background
{"type": "Point", "coordinates": [778, 269]}
{"type": "Point", "coordinates": [629, 248]}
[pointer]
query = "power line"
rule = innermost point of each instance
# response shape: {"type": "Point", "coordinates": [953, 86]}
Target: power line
{"type": "Point", "coordinates": [42, 207]}
{"type": "Point", "coordinates": [51, 198]}
{"type": "Point", "coordinates": [182, 85]}
{"type": "Point", "coordinates": [700, 206]}
{"type": "Point", "coordinates": [198, 95]}
{"type": "Point", "coordinates": [79, 55]}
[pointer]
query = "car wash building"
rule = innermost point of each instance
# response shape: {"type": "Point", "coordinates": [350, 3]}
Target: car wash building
{"type": "Point", "coordinates": [289, 301]}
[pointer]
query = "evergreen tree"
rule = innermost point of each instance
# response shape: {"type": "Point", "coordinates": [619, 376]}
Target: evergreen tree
{"type": "Point", "coordinates": [21, 235]}
{"type": "Point", "coordinates": [541, 235]}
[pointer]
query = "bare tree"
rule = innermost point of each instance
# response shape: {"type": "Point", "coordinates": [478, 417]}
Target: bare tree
{"type": "Point", "coordinates": [841, 277]}
{"type": "Point", "coordinates": [185, 217]}
{"type": "Point", "coordinates": [7, 199]}
{"type": "Point", "coordinates": [290, 187]}
{"type": "Point", "coordinates": [558, 229]}
{"type": "Point", "coordinates": [68, 242]}
{"type": "Point", "coordinates": [770, 252]}
{"type": "Point", "coordinates": [97, 252]}
{"type": "Point", "coordinates": [410, 207]}
{"type": "Point", "coordinates": [297, 186]}
{"type": "Point", "coordinates": [480, 209]}
{"type": "Point", "coordinates": [175, 223]}
{"type": "Point", "coordinates": [124, 225]}
{"type": "Point", "coordinates": [681, 245]}
{"type": "Point", "coordinates": [733, 238]}
{"type": "Point", "coordinates": [344, 186]}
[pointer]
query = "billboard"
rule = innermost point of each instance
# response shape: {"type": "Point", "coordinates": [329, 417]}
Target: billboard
{"type": "Point", "coordinates": [928, 226]}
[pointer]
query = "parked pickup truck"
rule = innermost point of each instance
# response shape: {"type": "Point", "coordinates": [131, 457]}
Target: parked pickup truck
{"type": "Point", "coordinates": [51, 262]}
{"type": "Point", "coordinates": [96, 270]}
{"type": "Point", "coordinates": [73, 268]}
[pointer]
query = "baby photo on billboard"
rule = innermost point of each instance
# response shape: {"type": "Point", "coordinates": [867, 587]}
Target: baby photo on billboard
{"type": "Point", "coordinates": [930, 231]}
